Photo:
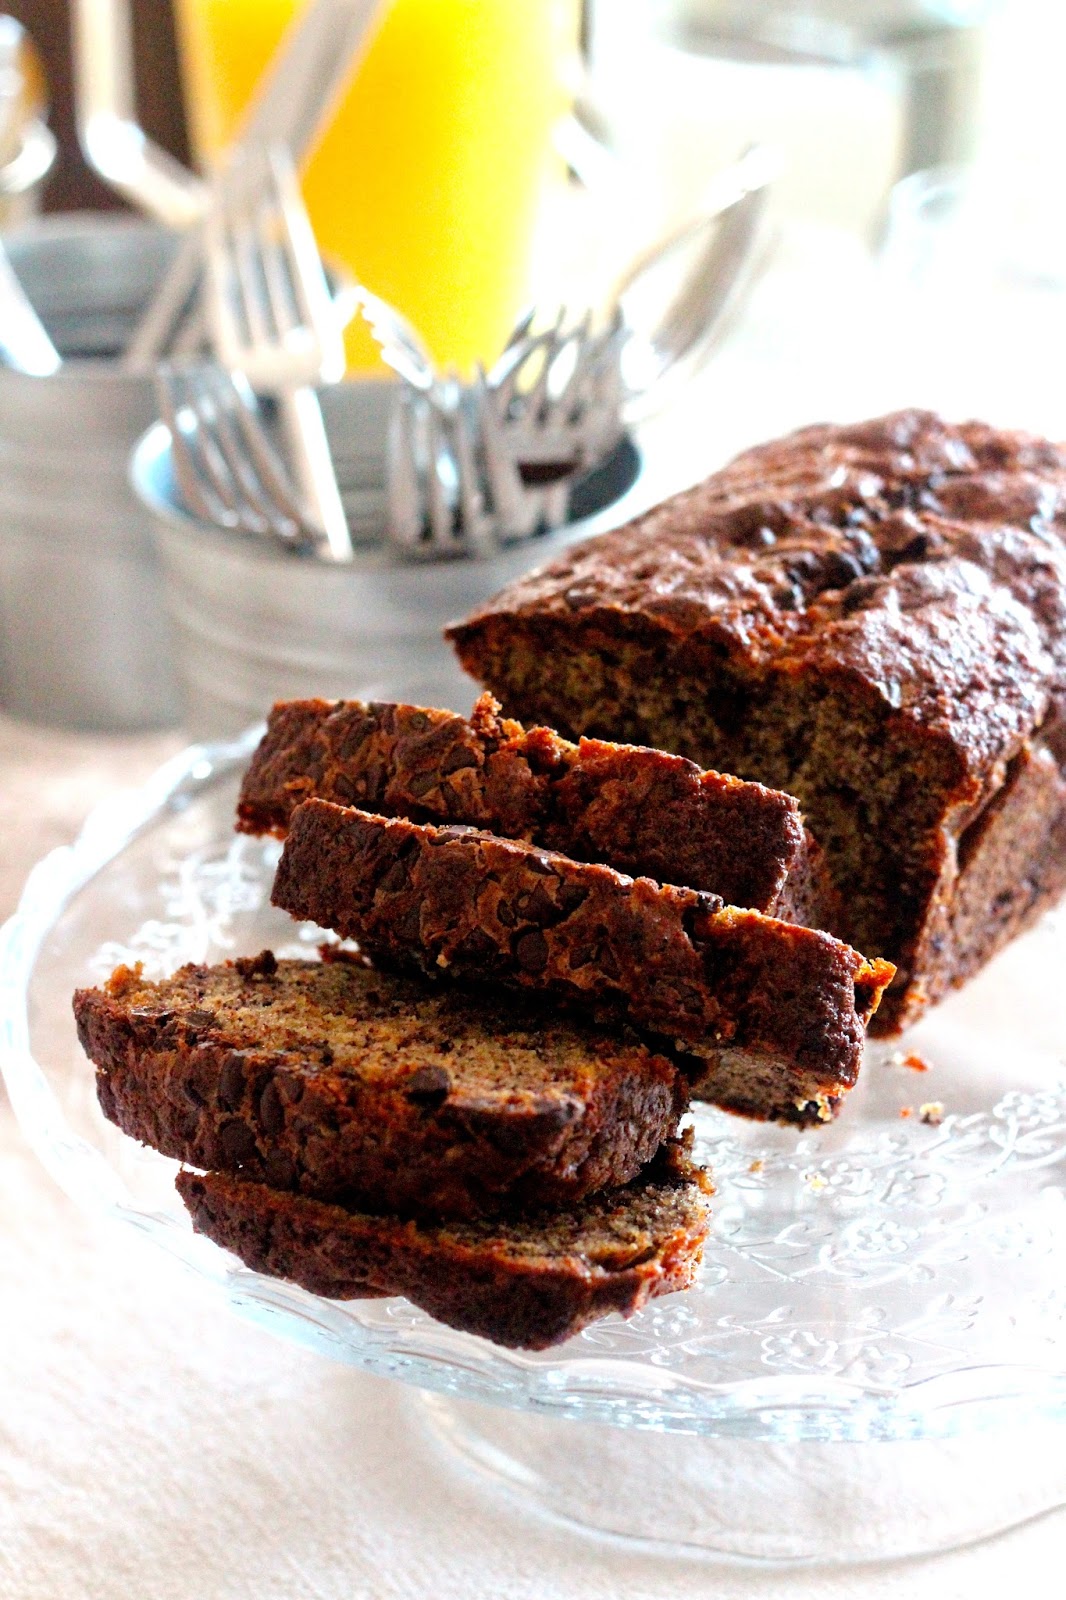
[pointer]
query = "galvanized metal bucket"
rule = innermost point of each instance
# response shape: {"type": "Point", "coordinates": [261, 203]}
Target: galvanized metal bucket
{"type": "Point", "coordinates": [254, 623]}
{"type": "Point", "coordinates": [84, 635]}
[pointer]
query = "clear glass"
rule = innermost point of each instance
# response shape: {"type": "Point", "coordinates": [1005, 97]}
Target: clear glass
{"type": "Point", "coordinates": [973, 296]}
{"type": "Point", "coordinates": [428, 182]}
{"type": "Point", "coordinates": [898, 1276]}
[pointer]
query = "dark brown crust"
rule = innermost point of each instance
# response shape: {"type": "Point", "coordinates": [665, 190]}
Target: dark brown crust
{"type": "Point", "coordinates": [777, 1012]}
{"type": "Point", "coordinates": [872, 617]}
{"type": "Point", "coordinates": [203, 1068]}
{"type": "Point", "coordinates": [472, 1278]}
{"type": "Point", "coordinates": [639, 810]}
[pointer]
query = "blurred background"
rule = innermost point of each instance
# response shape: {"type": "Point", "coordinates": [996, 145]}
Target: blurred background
{"type": "Point", "coordinates": [729, 217]}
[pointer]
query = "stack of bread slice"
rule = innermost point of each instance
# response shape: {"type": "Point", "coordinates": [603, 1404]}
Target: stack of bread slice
{"type": "Point", "coordinates": [479, 1108]}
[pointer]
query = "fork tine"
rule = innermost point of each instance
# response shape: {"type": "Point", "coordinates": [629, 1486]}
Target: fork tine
{"type": "Point", "coordinates": [404, 501]}
{"type": "Point", "coordinates": [400, 346]}
{"type": "Point", "coordinates": [251, 460]}
{"type": "Point", "coordinates": [222, 456]}
{"type": "Point", "coordinates": [197, 489]}
{"type": "Point", "coordinates": [219, 461]}
{"type": "Point", "coordinates": [249, 277]}
{"type": "Point", "coordinates": [508, 376]}
{"type": "Point", "coordinates": [222, 301]}
{"type": "Point", "coordinates": [509, 502]}
{"type": "Point", "coordinates": [521, 329]}
{"type": "Point", "coordinates": [272, 319]}
{"type": "Point", "coordinates": [538, 398]}
{"type": "Point", "coordinates": [279, 280]}
{"type": "Point", "coordinates": [581, 341]}
{"type": "Point", "coordinates": [475, 526]}
{"type": "Point", "coordinates": [226, 465]}
{"type": "Point", "coordinates": [441, 536]}
{"type": "Point", "coordinates": [512, 350]}
{"type": "Point", "coordinates": [313, 301]}
{"type": "Point", "coordinates": [210, 456]}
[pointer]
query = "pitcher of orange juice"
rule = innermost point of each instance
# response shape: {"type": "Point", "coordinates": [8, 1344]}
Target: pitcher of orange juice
{"type": "Point", "coordinates": [428, 182]}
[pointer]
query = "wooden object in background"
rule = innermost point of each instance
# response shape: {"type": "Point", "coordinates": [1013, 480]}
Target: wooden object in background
{"type": "Point", "coordinates": [72, 185]}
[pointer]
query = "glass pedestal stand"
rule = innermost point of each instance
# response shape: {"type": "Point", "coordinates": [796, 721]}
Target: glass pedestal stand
{"type": "Point", "coordinates": [752, 1501]}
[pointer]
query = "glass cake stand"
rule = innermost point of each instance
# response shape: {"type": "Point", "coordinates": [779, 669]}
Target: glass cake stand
{"type": "Point", "coordinates": [873, 1361]}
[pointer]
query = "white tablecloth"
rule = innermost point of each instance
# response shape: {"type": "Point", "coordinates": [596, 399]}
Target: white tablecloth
{"type": "Point", "coordinates": [154, 1447]}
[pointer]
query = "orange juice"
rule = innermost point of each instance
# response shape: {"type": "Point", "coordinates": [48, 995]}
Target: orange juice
{"type": "Point", "coordinates": [428, 182]}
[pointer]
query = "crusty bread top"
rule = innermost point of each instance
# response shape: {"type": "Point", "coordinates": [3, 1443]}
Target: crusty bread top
{"type": "Point", "coordinates": [462, 903]}
{"type": "Point", "coordinates": [920, 562]}
{"type": "Point", "coordinates": [642, 811]}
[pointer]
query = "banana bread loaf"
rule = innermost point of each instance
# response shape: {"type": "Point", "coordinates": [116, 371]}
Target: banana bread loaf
{"type": "Point", "coordinates": [525, 1282]}
{"type": "Point", "coordinates": [775, 1013]}
{"type": "Point", "coordinates": [641, 811]}
{"type": "Point", "coordinates": [872, 618]}
{"type": "Point", "coordinates": [342, 1082]}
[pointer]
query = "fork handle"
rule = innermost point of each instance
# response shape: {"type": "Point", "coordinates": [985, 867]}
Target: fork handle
{"type": "Point", "coordinates": [300, 416]}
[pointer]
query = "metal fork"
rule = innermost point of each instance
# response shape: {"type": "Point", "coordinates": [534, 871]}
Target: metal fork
{"type": "Point", "coordinates": [271, 318]}
{"type": "Point", "coordinates": [436, 502]}
{"type": "Point", "coordinates": [558, 394]}
{"type": "Point", "coordinates": [473, 467]}
{"type": "Point", "coordinates": [228, 471]}
{"type": "Point", "coordinates": [292, 100]}
{"type": "Point", "coordinates": [558, 399]}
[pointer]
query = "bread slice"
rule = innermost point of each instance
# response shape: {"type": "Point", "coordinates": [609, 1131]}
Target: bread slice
{"type": "Point", "coordinates": [338, 1081]}
{"type": "Point", "coordinates": [639, 810]}
{"type": "Point", "coordinates": [527, 1283]}
{"type": "Point", "coordinates": [776, 1013]}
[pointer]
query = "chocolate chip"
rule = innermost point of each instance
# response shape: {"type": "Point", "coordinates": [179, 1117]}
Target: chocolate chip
{"type": "Point", "coordinates": [421, 783]}
{"type": "Point", "coordinates": [531, 951]}
{"type": "Point", "coordinates": [920, 548]}
{"type": "Point", "coordinates": [395, 879]}
{"type": "Point", "coordinates": [758, 537]}
{"type": "Point", "coordinates": [787, 597]}
{"type": "Point", "coordinates": [279, 1170]}
{"type": "Point", "coordinates": [804, 564]}
{"type": "Point", "coordinates": [475, 949]}
{"type": "Point", "coordinates": [865, 551]}
{"type": "Point", "coordinates": [271, 1110]}
{"type": "Point", "coordinates": [841, 568]}
{"type": "Point", "coordinates": [457, 760]}
{"type": "Point", "coordinates": [571, 896]}
{"type": "Point", "coordinates": [188, 1125]}
{"type": "Point", "coordinates": [354, 740]}
{"type": "Point", "coordinates": [231, 1080]}
{"type": "Point", "coordinates": [860, 594]}
{"type": "Point", "coordinates": [428, 1085]}
{"type": "Point", "coordinates": [607, 963]}
{"type": "Point", "coordinates": [536, 864]}
{"type": "Point", "coordinates": [200, 1018]}
{"type": "Point", "coordinates": [237, 1143]}
{"type": "Point", "coordinates": [751, 526]}
{"type": "Point", "coordinates": [264, 965]}
{"type": "Point", "coordinates": [538, 906]}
